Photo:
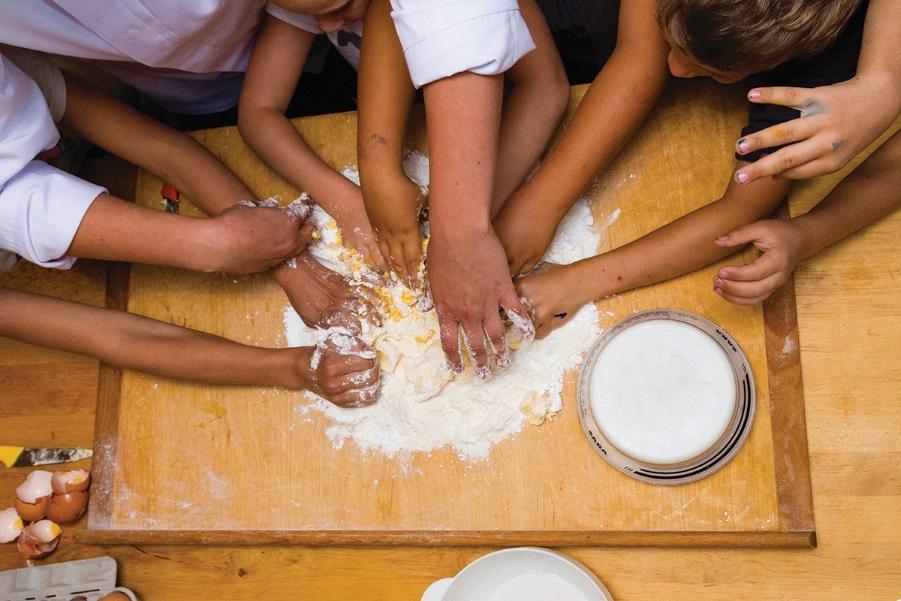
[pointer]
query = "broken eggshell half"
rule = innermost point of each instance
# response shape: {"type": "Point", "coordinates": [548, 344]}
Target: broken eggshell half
{"type": "Point", "coordinates": [69, 482]}
{"type": "Point", "coordinates": [11, 525]}
{"type": "Point", "coordinates": [39, 539]}
{"type": "Point", "coordinates": [68, 507]}
{"type": "Point", "coordinates": [33, 496]}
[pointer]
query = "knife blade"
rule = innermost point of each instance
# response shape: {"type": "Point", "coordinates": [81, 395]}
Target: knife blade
{"type": "Point", "coordinates": [22, 457]}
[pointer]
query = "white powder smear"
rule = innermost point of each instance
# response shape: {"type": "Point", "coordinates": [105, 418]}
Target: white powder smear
{"type": "Point", "coordinates": [423, 406]}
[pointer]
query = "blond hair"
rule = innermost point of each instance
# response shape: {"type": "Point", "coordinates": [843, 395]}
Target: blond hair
{"type": "Point", "coordinates": [753, 35]}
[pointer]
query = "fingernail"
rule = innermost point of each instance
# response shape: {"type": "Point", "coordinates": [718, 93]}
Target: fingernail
{"type": "Point", "coordinates": [742, 177]}
{"type": "Point", "coordinates": [722, 239]}
{"type": "Point", "coordinates": [743, 145]}
{"type": "Point", "coordinates": [718, 291]}
{"type": "Point", "coordinates": [718, 283]}
{"type": "Point", "coordinates": [754, 94]}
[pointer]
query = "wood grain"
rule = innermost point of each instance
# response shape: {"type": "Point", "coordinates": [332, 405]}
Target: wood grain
{"type": "Point", "coordinates": [237, 461]}
{"type": "Point", "coordinates": [850, 334]}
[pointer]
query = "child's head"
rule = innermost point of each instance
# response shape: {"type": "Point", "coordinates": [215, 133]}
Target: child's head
{"type": "Point", "coordinates": [331, 15]}
{"type": "Point", "coordinates": [731, 39]}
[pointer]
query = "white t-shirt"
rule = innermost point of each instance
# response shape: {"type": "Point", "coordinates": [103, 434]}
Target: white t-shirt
{"type": "Point", "coordinates": [188, 56]}
{"type": "Point", "coordinates": [443, 37]}
{"type": "Point", "coordinates": [41, 207]}
{"type": "Point", "coordinates": [345, 40]}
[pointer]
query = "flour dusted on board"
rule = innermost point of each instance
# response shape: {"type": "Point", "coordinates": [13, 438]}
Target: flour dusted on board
{"type": "Point", "coordinates": [423, 406]}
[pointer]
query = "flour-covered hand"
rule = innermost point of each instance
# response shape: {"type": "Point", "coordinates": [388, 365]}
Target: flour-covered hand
{"type": "Point", "coordinates": [357, 232]}
{"type": "Point", "coordinates": [341, 369]}
{"type": "Point", "coordinates": [550, 295]}
{"type": "Point", "coordinates": [781, 244]}
{"type": "Point", "coordinates": [322, 297]}
{"type": "Point", "coordinates": [246, 239]}
{"type": "Point", "coordinates": [393, 203]}
{"type": "Point", "coordinates": [469, 281]}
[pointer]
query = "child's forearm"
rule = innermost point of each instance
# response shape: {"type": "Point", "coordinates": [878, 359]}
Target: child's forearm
{"type": "Point", "coordinates": [882, 46]}
{"type": "Point", "coordinates": [617, 102]}
{"type": "Point", "coordinates": [385, 97]}
{"type": "Point", "coordinates": [140, 343]}
{"type": "Point", "coordinates": [537, 99]}
{"type": "Point", "coordinates": [274, 72]}
{"type": "Point", "coordinates": [275, 140]}
{"type": "Point", "coordinates": [678, 247]}
{"type": "Point", "coordinates": [171, 155]}
{"type": "Point", "coordinates": [868, 194]}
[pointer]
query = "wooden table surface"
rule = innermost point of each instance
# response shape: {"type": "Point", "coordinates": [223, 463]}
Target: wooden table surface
{"type": "Point", "coordinates": [850, 332]}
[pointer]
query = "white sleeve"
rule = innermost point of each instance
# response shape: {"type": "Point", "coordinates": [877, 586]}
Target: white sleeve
{"type": "Point", "coordinates": [298, 20]}
{"type": "Point", "coordinates": [40, 207]}
{"type": "Point", "coordinates": [443, 37]}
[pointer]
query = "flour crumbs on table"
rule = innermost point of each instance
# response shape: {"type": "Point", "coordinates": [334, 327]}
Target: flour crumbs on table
{"type": "Point", "coordinates": [423, 406]}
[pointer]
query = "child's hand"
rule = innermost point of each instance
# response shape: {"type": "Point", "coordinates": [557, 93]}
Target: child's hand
{"type": "Point", "coordinates": [322, 297]}
{"type": "Point", "coordinates": [246, 239]}
{"type": "Point", "coordinates": [341, 369]}
{"type": "Point", "coordinates": [781, 246]}
{"type": "Point", "coordinates": [524, 234]}
{"type": "Point", "coordinates": [836, 123]}
{"type": "Point", "coordinates": [548, 293]}
{"type": "Point", "coordinates": [356, 231]}
{"type": "Point", "coordinates": [393, 203]}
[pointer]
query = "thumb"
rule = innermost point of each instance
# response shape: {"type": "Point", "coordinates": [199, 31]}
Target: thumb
{"type": "Point", "coordinates": [742, 235]}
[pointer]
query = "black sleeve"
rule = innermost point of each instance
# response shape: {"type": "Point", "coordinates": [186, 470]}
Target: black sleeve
{"type": "Point", "coordinates": [836, 64]}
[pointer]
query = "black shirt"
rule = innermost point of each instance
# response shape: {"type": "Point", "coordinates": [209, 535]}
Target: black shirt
{"type": "Point", "coordinates": [836, 64]}
{"type": "Point", "coordinates": [584, 32]}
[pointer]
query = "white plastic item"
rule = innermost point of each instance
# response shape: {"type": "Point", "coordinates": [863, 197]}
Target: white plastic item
{"type": "Point", "coordinates": [520, 574]}
{"type": "Point", "coordinates": [90, 579]}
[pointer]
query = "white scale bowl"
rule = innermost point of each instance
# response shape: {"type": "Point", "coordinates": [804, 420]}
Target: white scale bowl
{"type": "Point", "coordinates": [520, 574]}
{"type": "Point", "coordinates": [666, 397]}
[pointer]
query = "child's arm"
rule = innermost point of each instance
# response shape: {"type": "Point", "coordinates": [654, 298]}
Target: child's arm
{"type": "Point", "coordinates": [868, 194]}
{"type": "Point", "coordinates": [134, 342]}
{"type": "Point", "coordinates": [274, 72]}
{"type": "Point", "coordinates": [618, 101]}
{"type": "Point", "coordinates": [171, 155]}
{"type": "Point", "coordinates": [538, 96]}
{"type": "Point", "coordinates": [239, 240]}
{"type": "Point", "coordinates": [839, 120]}
{"type": "Point", "coordinates": [556, 292]}
{"type": "Point", "coordinates": [385, 96]}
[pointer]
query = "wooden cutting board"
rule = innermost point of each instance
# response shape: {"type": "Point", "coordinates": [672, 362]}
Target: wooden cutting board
{"type": "Point", "coordinates": [177, 462]}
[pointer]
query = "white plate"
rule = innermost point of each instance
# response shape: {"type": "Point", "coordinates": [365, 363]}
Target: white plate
{"type": "Point", "coordinates": [666, 396]}
{"type": "Point", "coordinates": [520, 574]}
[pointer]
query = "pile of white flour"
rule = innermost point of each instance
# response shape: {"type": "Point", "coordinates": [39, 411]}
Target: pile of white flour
{"type": "Point", "coordinates": [423, 406]}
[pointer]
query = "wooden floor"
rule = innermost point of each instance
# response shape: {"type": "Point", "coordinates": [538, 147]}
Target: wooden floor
{"type": "Point", "coordinates": [850, 329]}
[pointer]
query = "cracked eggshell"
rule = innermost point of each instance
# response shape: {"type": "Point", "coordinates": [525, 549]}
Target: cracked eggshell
{"type": "Point", "coordinates": [36, 486]}
{"type": "Point", "coordinates": [11, 525]}
{"type": "Point", "coordinates": [67, 508]}
{"type": "Point", "coordinates": [39, 539]}
{"type": "Point", "coordinates": [73, 481]}
{"type": "Point", "coordinates": [32, 512]}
